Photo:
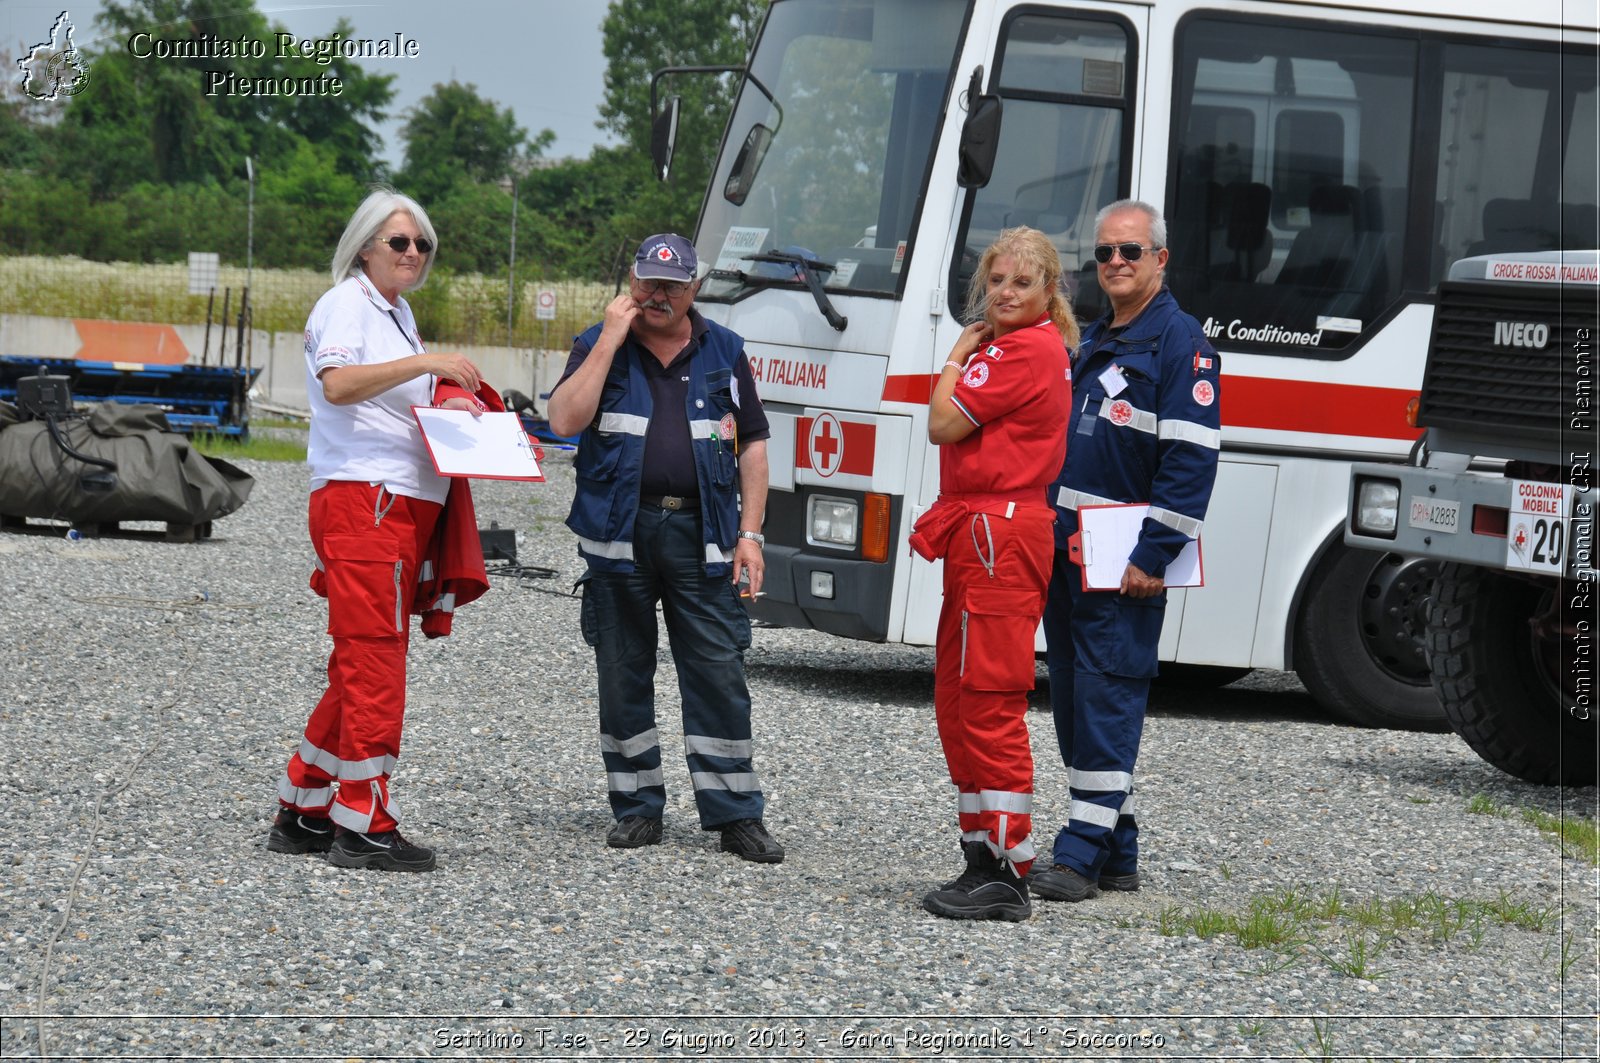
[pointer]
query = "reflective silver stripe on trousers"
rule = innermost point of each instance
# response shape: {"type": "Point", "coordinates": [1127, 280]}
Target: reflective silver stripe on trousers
{"type": "Point", "coordinates": [995, 801]}
{"type": "Point", "coordinates": [1143, 420]}
{"type": "Point", "coordinates": [1067, 498]}
{"type": "Point", "coordinates": [974, 835]}
{"type": "Point", "coordinates": [1099, 815]}
{"type": "Point", "coordinates": [1022, 852]}
{"type": "Point", "coordinates": [327, 762]}
{"type": "Point", "coordinates": [1100, 781]}
{"type": "Point", "coordinates": [731, 748]}
{"type": "Point", "coordinates": [628, 782]}
{"type": "Point", "coordinates": [371, 768]}
{"type": "Point", "coordinates": [619, 550]}
{"type": "Point", "coordinates": [625, 423]}
{"type": "Point", "coordinates": [299, 797]}
{"type": "Point", "coordinates": [1190, 432]}
{"type": "Point", "coordinates": [630, 747]}
{"type": "Point", "coordinates": [350, 819]}
{"type": "Point", "coordinates": [1176, 521]}
{"type": "Point", "coordinates": [743, 782]}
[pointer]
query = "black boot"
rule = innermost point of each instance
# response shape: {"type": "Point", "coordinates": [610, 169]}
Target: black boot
{"type": "Point", "coordinates": [987, 889]}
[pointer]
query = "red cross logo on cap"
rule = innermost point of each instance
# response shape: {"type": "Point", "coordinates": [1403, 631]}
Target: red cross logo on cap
{"type": "Point", "coordinates": [664, 254]}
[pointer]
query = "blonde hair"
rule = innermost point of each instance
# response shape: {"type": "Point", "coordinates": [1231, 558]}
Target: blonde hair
{"type": "Point", "coordinates": [1031, 249]}
{"type": "Point", "coordinates": [368, 221]}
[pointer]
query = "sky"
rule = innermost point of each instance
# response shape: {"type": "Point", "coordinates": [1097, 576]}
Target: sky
{"type": "Point", "coordinates": [540, 58]}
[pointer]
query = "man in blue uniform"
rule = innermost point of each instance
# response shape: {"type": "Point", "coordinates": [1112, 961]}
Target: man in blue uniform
{"type": "Point", "coordinates": [671, 492]}
{"type": "Point", "coordinates": [1145, 428]}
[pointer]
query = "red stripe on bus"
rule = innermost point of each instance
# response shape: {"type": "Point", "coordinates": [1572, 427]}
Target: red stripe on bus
{"type": "Point", "coordinates": [1266, 403]}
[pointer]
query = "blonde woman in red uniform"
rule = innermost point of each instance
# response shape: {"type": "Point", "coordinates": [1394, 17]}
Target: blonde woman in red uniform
{"type": "Point", "coordinates": [999, 412]}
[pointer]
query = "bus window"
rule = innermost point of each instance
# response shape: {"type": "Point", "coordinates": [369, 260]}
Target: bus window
{"type": "Point", "coordinates": [1287, 226]}
{"type": "Point", "coordinates": [1066, 83]}
{"type": "Point", "coordinates": [1516, 154]}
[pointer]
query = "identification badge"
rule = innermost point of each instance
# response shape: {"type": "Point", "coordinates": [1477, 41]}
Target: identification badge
{"type": "Point", "coordinates": [1113, 381]}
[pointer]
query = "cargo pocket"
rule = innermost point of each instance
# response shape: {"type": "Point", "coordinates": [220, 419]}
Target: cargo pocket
{"type": "Point", "coordinates": [588, 623]}
{"type": "Point", "coordinates": [997, 629]}
{"type": "Point", "coordinates": [367, 596]}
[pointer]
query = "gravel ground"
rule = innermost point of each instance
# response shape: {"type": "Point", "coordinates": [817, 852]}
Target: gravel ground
{"type": "Point", "coordinates": [155, 690]}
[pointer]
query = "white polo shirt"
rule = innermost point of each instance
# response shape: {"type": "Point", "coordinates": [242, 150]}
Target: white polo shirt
{"type": "Point", "coordinates": [376, 441]}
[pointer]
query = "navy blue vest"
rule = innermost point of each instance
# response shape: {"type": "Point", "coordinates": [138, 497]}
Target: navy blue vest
{"type": "Point", "coordinates": [611, 453]}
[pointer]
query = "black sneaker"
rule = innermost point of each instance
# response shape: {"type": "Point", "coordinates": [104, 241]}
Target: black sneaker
{"type": "Point", "coordinates": [748, 840]}
{"type": "Point", "coordinates": [1061, 883]}
{"type": "Point", "coordinates": [632, 832]}
{"type": "Point", "coordinates": [996, 893]}
{"type": "Point", "coordinates": [293, 832]}
{"type": "Point", "coordinates": [1128, 883]}
{"type": "Point", "coordinates": [388, 851]}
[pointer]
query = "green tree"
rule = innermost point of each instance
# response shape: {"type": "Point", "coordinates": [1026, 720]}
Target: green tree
{"type": "Point", "coordinates": [153, 119]}
{"type": "Point", "coordinates": [453, 136]}
{"type": "Point", "coordinates": [642, 36]}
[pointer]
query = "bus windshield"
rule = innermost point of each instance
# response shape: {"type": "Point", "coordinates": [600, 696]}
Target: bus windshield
{"type": "Point", "coordinates": [829, 167]}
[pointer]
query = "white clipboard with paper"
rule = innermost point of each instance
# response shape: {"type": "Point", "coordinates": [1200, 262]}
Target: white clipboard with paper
{"type": "Point", "coordinates": [486, 446]}
{"type": "Point", "coordinates": [1105, 539]}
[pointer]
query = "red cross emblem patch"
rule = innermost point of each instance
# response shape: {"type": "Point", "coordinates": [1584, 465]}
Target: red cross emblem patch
{"type": "Point", "coordinates": [1204, 393]}
{"type": "Point", "coordinates": [1121, 412]}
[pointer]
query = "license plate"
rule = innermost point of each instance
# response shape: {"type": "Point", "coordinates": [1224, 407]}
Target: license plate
{"type": "Point", "coordinates": [1435, 514]}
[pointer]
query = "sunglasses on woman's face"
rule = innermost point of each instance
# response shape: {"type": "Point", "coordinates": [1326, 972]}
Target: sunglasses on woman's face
{"type": "Point", "coordinates": [398, 244]}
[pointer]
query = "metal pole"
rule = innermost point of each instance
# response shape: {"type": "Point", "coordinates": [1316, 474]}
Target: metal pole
{"type": "Point", "coordinates": [511, 269]}
{"type": "Point", "coordinates": [250, 224]}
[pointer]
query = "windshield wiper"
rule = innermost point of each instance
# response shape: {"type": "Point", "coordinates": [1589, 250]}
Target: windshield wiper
{"type": "Point", "coordinates": [807, 269]}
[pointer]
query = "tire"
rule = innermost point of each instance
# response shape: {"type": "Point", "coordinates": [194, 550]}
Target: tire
{"type": "Point", "coordinates": [1500, 679]}
{"type": "Point", "coordinates": [1360, 642]}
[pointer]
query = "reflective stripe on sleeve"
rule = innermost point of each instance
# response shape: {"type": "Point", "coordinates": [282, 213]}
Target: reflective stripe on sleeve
{"type": "Point", "coordinates": [1176, 521]}
{"type": "Point", "coordinates": [1190, 432]}
{"type": "Point", "coordinates": [1142, 421]}
{"type": "Point", "coordinates": [1067, 498]}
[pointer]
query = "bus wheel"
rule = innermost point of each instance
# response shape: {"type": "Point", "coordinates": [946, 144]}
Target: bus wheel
{"type": "Point", "coordinates": [1361, 640]}
{"type": "Point", "coordinates": [1496, 642]}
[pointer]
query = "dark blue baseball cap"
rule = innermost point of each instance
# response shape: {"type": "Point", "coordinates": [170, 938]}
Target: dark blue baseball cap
{"type": "Point", "coordinates": [666, 257]}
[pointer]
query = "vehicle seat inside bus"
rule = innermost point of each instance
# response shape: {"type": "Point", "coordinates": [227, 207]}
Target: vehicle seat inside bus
{"type": "Point", "coordinates": [1337, 260]}
{"type": "Point", "coordinates": [1517, 225]}
{"type": "Point", "coordinates": [1246, 206]}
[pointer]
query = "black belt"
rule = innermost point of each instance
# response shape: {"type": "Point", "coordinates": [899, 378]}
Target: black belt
{"type": "Point", "coordinates": [669, 502]}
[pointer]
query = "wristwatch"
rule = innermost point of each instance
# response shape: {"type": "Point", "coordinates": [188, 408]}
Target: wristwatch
{"type": "Point", "coordinates": [755, 537]}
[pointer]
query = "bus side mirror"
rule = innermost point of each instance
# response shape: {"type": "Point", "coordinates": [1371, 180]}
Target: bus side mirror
{"type": "Point", "coordinates": [745, 165]}
{"type": "Point", "coordinates": [980, 140]}
{"type": "Point", "coordinates": [664, 136]}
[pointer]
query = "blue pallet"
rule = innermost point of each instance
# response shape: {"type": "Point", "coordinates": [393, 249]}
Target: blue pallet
{"type": "Point", "coordinates": [196, 398]}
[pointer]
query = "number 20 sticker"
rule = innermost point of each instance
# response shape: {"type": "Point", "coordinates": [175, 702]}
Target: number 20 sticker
{"type": "Point", "coordinates": [1536, 533]}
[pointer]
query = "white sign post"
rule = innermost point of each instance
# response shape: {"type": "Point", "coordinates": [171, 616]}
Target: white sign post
{"type": "Point", "coordinates": [544, 304]}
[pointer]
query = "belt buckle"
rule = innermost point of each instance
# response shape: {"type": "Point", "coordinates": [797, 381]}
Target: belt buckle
{"type": "Point", "coordinates": [671, 502]}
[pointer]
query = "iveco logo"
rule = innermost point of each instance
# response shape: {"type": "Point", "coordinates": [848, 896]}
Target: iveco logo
{"type": "Point", "coordinates": [1521, 334]}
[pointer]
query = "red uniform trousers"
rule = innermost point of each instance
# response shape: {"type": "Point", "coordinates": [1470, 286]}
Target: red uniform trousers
{"type": "Point", "coordinates": [368, 543]}
{"type": "Point", "coordinates": [996, 570]}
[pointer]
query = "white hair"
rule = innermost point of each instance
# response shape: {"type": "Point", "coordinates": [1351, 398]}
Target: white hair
{"type": "Point", "coordinates": [1158, 224]}
{"type": "Point", "coordinates": [368, 221]}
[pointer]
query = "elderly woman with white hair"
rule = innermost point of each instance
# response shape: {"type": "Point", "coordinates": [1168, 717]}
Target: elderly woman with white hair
{"type": "Point", "coordinates": [375, 503]}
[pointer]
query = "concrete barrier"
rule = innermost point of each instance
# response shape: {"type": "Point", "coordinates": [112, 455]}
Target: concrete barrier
{"type": "Point", "coordinates": [279, 355]}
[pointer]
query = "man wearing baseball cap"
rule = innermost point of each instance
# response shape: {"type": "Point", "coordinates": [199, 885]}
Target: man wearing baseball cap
{"type": "Point", "coordinates": [671, 493]}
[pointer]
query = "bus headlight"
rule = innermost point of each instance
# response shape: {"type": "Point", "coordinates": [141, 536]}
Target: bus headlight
{"type": "Point", "coordinates": [832, 521]}
{"type": "Point", "coordinates": [1377, 508]}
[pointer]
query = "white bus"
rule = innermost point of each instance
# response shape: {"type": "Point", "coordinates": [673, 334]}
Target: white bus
{"type": "Point", "coordinates": [1320, 164]}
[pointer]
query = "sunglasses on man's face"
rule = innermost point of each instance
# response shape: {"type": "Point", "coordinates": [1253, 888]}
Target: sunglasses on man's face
{"type": "Point", "coordinates": [1129, 252]}
{"type": "Point", "coordinates": [398, 244]}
